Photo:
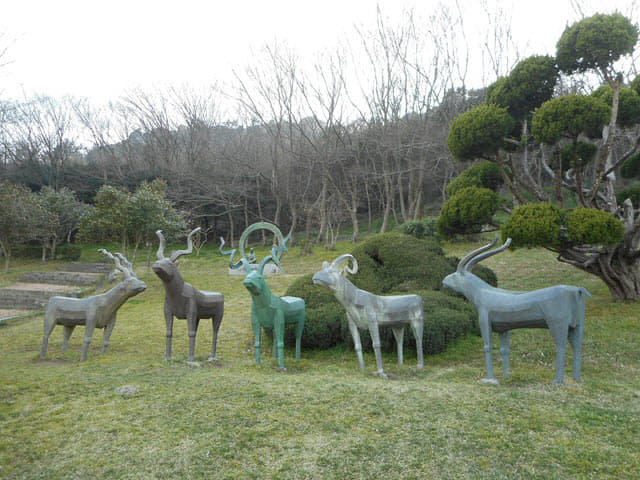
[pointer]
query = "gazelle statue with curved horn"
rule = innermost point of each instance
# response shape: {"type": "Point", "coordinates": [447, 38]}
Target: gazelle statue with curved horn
{"type": "Point", "coordinates": [97, 311]}
{"type": "Point", "coordinates": [368, 311]}
{"type": "Point", "coordinates": [561, 309]}
{"type": "Point", "coordinates": [272, 312]}
{"type": "Point", "coordinates": [184, 301]}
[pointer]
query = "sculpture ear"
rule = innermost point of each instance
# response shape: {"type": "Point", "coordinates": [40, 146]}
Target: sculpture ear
{"type": "Point", "coordinates": [325, 265]}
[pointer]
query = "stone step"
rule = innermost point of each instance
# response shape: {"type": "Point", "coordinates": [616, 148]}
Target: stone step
{"type": "Point", "coordinates": [97, 267]}
{"type": "Point", "coordinates": [33, 296]}
{"type": "Point", "coordinates": [62, 278]}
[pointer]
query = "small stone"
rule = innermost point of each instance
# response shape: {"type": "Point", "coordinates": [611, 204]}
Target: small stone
{"type": "Point", "coordinates": [126, 390]}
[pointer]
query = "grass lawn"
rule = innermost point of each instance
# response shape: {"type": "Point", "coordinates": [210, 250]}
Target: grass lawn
{"type": "Point", "coordinates": [322, 418]}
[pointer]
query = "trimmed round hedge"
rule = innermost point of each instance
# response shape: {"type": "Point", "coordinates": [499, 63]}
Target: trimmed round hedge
{"type": "Point", "coordinates": [390, 264]}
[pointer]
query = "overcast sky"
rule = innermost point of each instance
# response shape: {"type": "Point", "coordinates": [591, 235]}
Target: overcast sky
{"type": "Point", "coordinates": [99, 49]}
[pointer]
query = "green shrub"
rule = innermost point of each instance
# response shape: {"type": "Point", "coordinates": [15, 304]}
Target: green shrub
{"type": "Point", "coordinates": [423, 228]}
{"type": "Point", "coordinates": [533, 225]}
{"type": "Point", "coordinates": [388, 264]}
{"type": "Point", "coordinates": [632, 192]}
{"type": "Point", "coordinates": [631, 167]}
{"type": "Point", "coordinates": [483, 174]}
{"type": "Point", "coordinates": [467, 211]}
{"type": "Point", "coordinates": [582, 150]}
{"type": "Point", "coordinates": [590, 226]}
{"type": "Point", "coordinates": [69, 252]}
{"type": "Point", "coordinates": [628, 103]}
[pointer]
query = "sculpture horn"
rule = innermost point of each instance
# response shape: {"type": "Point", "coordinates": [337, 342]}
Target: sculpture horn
{"type": "Point", "coordinates": [126, 272]}
{"type": "Point", "coordinates": [462, 264]}
{"type": "Point", "coordinates": [479, 258]}
{"type": "Point", "coordinates": [161, 247]}
{"type": "Point", "coordinates": [337, 264]}
{"type": "Point", "coordinates": [128, 265]}
{"type": "Point", "coordinates": [232, 265]}
{"type": "Point", "coordinates": [269, 258]}
{"type": "Point", "coordinates": [178, 253]}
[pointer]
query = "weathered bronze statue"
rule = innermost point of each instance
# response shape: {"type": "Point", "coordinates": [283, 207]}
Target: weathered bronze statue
{"type": "Point", "coordinates": [272, 312]}
{"type": "Point", "coordinates": [183, 301]}
{"type": "Point", "coordinates": [97, 311]}
{"type": "Point", "coordinates": [368, 311]}
{"type": "Point", "coordinates": [561, 309]}
{"type": "Point", "coordinates": [249, 258]}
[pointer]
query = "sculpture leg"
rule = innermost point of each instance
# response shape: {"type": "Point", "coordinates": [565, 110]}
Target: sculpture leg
{"type": "Point", "coordinates": [375, 340]}
{"type": "Point", "coordinates": [49, 325]}
{"type": "Point", "coordinates": [66, 335]}
{"type": "Point", "coordinates": [560, 335]}
{"type": "Point", "coordinates": [278, 337]}
{"type": "Point", "coordinates": [299, 329]}
{"type": "Point", "coordinates": [88, 335]}
{"type": "Point", "coordinates": [107, 333]}
{"type": "Point", "coordinates": [485, 330]}
{"type": "Point", "coordinates": [216, 320]}
{"type": "Point", "coordinates": [575, 338]}
{"type": "Point", "coordinates": [418, 329]}
{"type": "Point", "coordinates": [255, 324]}
{"type": "Point", "coordinates": [168, 318]}
{"type": "Point", "coordinates": [504, 352]}
{"type": "Point", "coordinates": [192, 326]}
{"type": "Point", "coordinates": [357, 345]}
{"type": "Point", "coordinates": [398, 333]}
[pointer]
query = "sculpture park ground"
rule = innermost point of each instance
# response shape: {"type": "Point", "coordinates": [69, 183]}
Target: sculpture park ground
{"type": "Point", "coordinates": [129, 413]}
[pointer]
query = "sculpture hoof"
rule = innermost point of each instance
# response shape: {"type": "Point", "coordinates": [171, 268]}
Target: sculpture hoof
{"type": "Point", "coordinates": [213, 359]}
{"type": "Point", "coordinates": [558, 383]}
{"type": "Point", "coordinates": [381, 375]}
{"type": "Point", "coordinates": [282, 369]}
{"type": "Point", "coordinates": [490, 381]}
{"type": "Point", "coordinates": [193, 364]}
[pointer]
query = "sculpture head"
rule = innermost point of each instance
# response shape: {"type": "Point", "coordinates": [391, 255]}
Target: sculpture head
{"type": "Point", "coordinates": [130, 282]}
{"type": "Point", "coordinates": [459, 279]}
{"type": "Point", "coordinates": [330, 273]}
{"type": "Point", "coordinates": [255, 279]}
{"type": "Point", "coordinates": [166, 268]}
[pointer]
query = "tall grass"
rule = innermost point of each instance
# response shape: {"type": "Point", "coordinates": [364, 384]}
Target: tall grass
{"type": "Point", "coordinates": [322, 418]}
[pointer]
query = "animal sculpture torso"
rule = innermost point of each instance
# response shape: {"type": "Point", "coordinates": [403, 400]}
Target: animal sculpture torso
{"type": "Point", "coordinates": [272, 312]}
{"type": "Point", "coordinates": [560, 308]}
{"type": "Point", "coordinates": [367, 311]}
{"type": "Point", "coordinates": [183, 301]}
{"type": "Point", "coordinates": [97, 311]}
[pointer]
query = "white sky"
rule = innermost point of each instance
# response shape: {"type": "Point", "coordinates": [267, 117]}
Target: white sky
{"type": "Point", "coordinates": [99, 49]}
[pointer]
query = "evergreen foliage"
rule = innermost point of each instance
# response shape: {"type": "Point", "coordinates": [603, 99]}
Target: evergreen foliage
{"type": "Point", "coordinates": [628, 103]}
{"type": "Point", "coordinates": [589, 226]}
{"type": "Point", "coordinates": [483, 174]}
{"type": "Point", "coordinates": [534, 225]}
{"type": "Point", "coordinates": [468, 211]}
{"type": "Point", "coordinates": [631, 168]}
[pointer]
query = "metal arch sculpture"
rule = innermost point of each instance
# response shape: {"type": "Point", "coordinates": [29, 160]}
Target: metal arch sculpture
{"type": "Point", "coordinates": [271, 312]}
{"type": "Point", "coordinates": [183, 301]}
{"type": "Point", "coordinates": [248, 260]}
{"type": "Point", "coordinates": [560, 308]}
{"type": "Point", "coordinates": [368, 311]}
{"type": "Point", "coordinates": [97, 311]}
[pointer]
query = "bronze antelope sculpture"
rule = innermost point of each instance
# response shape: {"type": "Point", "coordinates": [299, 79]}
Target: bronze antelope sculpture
{"type": "Point", "coordinates": [183, 301]}
{"type": "Point", "coordinates": [97, 311]}
{"type": "Point", "coordinates": [561, 309]}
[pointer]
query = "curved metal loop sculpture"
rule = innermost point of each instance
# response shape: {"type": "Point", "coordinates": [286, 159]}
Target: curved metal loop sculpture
{"type": "Point", "coordinates": [368, 311]}
{"type": "Point", "coordinates": [272, 312]}
{"type": "Point", "coordinates": [97, 311]}
{"type": "Point", "coordinates": [183, 301]}
{"type": "Point", "coordinates": [248, 259]}
{"type": "Point", "coordinates": [560, 308]}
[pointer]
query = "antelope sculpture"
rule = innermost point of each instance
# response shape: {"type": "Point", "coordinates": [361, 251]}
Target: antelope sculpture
{"type": "Point", "coordinates": [368, 311]}
{"type": "Point", "coordinates": [183, 301]}
{"type": "Point", "coordinates": [272, 312]}
{"type": "Point", "coordinates": [561, 309]}
{"type": "Point", "coordinates": [97, 311]}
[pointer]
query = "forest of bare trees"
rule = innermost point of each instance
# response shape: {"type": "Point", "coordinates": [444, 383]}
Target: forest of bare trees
{"type": "Point", "coordinates": [314, 145]}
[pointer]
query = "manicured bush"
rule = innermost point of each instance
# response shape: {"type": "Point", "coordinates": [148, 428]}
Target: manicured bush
{"type": "Point", "coordinates": [484, 174]}
{"type": "Point", "coordinates": [388, 264]}
{"type": "Point", "coordinates": [632, 192]}
{"type": "Point", "coordinates": [467, 211]}
{"type": "Point", "coordinates": [581, 150]}
{"type": "Point", "coordinates": [532, 225]}
{"type": "Point", "coordinates": [631, 167]}
{"type": "Point", "coordinates": [590, 226]}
